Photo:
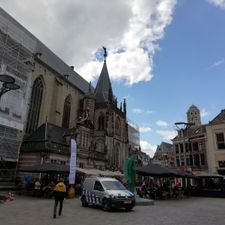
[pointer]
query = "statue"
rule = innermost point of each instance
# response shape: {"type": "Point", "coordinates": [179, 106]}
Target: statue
{"type": "Point", "coordinates": [129, 172]}
{"type": "Point", "coordinates": [105, 52]}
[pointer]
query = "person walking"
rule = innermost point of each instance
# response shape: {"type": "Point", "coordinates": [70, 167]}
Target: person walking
{"type": "Point", "coordinates": [59, 194]}
{"type": "Point", "coordinates": [37, 188]}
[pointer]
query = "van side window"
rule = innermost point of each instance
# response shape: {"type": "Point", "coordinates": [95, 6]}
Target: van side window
{"type": "Point", "coordinates": [98, 186]}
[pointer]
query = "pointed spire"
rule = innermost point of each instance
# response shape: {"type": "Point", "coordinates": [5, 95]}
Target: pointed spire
{"type": "Point", "coordinates": [124, 106]}
{"type": "Point", "coordinates": [89, 93]}
{"type": "Point", "coordinates": [116, 102]}
{"type": "Point", "coordinates": [103, 91]}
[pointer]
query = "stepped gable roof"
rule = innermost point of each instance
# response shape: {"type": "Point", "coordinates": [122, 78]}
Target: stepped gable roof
{"type": "Point", "coordinates": [50, 132]}
{"type": "Point", "coordinates": [193, 131]}
{"type": "Point", "coordinates": [220, 118]}
{"type": "Point", "coordinates": [103, 91]}
{"type": "Point", "coordinates": [196, 130]}
{"type": "Point", "coordinates": [165, 147]}
{"type": "Point", "coordinates": [48, 57]}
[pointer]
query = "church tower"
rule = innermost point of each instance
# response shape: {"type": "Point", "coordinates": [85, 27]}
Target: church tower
{"type": "Point", "coordinates": [110, 122]}
{"type": "Point", "coordinates": [193, 115]}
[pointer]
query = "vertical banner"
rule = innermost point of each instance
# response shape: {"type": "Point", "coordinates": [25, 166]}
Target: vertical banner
{"type": "Point", "coordinates": [73, 161]}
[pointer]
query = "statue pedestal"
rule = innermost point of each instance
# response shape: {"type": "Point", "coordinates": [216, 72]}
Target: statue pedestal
{"type": "Point", "coordinates": [143, 201]}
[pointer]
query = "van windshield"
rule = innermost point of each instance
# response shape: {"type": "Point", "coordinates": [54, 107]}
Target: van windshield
{"type": "Point", "coordinates": [113, 185]}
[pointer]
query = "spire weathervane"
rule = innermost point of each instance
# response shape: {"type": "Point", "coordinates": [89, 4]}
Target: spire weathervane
{"type": "Point", "coordinates": [105, 52]}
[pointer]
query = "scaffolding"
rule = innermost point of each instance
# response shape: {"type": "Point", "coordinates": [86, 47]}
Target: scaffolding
{"type": "Point", "coordinates": [17, 48]}
{"type": "Point", "coordinates": [14, 58]}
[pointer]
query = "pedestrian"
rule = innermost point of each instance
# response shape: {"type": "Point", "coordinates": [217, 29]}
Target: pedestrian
{"type": "Point", "coordinates": [9, 197]}
{"type": "Point", "coordinates": [59, 194]}
{"type": "Point", "coordinates": [37, 188]}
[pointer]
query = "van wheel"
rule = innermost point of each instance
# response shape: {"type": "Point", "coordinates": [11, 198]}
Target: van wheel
{"type": "Point", "coordinates": [106, 205]}
{"type": "Point", "coordinates": [84, 201]}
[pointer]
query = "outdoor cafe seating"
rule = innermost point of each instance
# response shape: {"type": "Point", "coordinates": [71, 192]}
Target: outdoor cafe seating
{"type": "Point", "coordinates": [162, 182]}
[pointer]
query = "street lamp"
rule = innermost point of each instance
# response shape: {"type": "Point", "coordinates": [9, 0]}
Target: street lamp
{"type": "Point", "coordinates": [8, 84]}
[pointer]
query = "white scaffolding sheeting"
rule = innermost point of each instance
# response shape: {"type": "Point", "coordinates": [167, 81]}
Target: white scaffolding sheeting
{"type": "Point", "coordinates": [17, 34]}
{"type": "Point", "coordinates": [16, 60]}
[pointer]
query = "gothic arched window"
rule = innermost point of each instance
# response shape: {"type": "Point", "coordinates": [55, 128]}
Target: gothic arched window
{"type": "Point", "coordinates": [118, 126]}
{"type": "Point", "coordinates": [116, 156]}
{"type": "Point", "coordinates": [100, 146]}
{"type": "Point", "coordinates": [101, 121]}
{"type": "Point", "coordinates": [66, 112]}
{"type": "Point", "coordinates": [35, 106]}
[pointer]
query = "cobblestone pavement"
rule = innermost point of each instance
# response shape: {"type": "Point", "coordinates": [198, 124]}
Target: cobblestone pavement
{"type": "Point", "coordinates": [188, 211]}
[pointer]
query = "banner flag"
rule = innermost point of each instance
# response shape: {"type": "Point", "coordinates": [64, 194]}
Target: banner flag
{"type": "Point", "coordinates": [73, 161]}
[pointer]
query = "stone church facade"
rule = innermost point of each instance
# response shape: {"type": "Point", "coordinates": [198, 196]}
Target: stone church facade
{"type": "Point", "coordinates": [59, 111]}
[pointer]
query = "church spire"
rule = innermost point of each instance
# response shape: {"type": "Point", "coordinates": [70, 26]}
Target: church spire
{"type": "Point", "coordinates": [124, 106]}
{"type": "Point", "coordinates": [103, 90]}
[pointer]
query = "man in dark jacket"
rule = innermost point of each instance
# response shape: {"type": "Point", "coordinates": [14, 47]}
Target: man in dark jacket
{"type": "Point", "coordinates": [60, 194]}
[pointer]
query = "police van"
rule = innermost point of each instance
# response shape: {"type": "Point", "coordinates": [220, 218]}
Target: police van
{"type": "Point", "coordinates": [106, 192]}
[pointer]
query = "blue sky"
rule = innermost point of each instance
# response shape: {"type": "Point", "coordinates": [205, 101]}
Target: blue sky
{"type": "Point", "coordinates": [188, 69]}
{"type": "Point", "coordinates": [163, 55]}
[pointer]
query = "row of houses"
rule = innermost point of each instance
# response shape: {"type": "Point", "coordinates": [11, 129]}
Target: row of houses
{"type": "Point", "coordinates": [197, 147]}
{"type": "Point", "coordinates": [54, 104]}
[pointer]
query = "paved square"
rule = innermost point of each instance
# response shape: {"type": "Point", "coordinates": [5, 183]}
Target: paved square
{"type": "Point", "coordinates": [187, 211]}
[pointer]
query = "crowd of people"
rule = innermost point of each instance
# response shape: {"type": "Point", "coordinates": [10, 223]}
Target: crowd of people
{"type": "Point", "coordinates": [44, 186]}
{"type": "Point", "coordinates": [160, 188]}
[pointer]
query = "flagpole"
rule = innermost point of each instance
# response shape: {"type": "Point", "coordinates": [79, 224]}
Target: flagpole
{"type": "Point", "coordinates": [73, 153]}
{"type": "Point", "coordinates": [44, 153]}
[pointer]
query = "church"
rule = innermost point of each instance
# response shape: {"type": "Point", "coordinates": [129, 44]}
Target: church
{"type": "Point", "coordinates": [54, 104]}
{"type": "Point", "coordinates": [94, 120]}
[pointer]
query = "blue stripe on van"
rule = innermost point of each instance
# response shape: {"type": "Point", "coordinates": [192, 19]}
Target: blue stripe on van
{"type": "Point", "coordinates": [91, 197]}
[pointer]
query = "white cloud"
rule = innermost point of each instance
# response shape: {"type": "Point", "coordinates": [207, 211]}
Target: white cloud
{"type": "Point", "coordinates": [145, 129]}
{"type": "Point", "coordinates": [217, 63]}
{"type": "Point", "coordinates": [141, 111]}
{"type": "Point", "coordinates": [148, 111]}
{"type": "Point", "coordinates": [137, 110]}
{"type": "Point", "coordinates": [148, 148]}
{"type": "Point", "coordinates": [204, 112]}
{"type": "Point", "coordinates": [75, 29]}
{"type": "Point", "coordinates": [162, 123]}
{"type": "Point", "coordinates": [167, 134]}
{"type": "Point", "coordinates": [218, 3]}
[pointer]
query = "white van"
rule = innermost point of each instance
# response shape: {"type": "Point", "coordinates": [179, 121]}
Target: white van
{"type": "Point", "coordinates": [106, 192]}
